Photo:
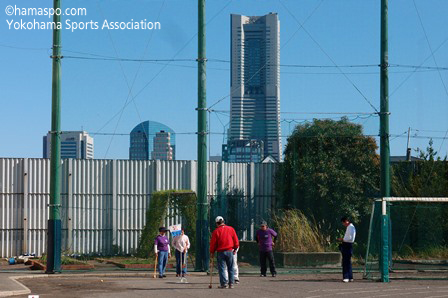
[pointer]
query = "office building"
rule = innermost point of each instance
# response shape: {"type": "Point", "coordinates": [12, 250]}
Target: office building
{"type": "Point", "coordinates": [74, 144]}
{"type": "Point", "coordinates": [243, 151]}
{"type": "Point", "coordinates": [162, 146]}
{"type": "Point", "coordinates": [255, 84]}
{"type": "Point", "coordinates": [142, 140]}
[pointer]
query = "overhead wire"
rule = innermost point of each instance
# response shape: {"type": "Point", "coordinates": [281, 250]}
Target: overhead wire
{"type": "Point", "coordinates": [163, 68]}
{"type": "Point", "coordinates": [268, 61]}
{"type": "Point", "coordinates": [430, 48]}
{"type": "Point", "coordinates": [130, 87]}
{"type": "Point", "coordinates": [416, 68]}
{"type": "Point", "coordinates": [432, 167]}
{"type": "Point", "coordinates": [329, 57]}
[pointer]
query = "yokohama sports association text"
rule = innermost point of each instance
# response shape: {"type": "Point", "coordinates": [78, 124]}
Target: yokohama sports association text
{"type": "Point", "coordinates": [91, 25]}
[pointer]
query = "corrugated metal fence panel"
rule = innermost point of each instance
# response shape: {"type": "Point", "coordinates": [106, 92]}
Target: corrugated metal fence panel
{"type": "Point", "coordinates": [104, 202]}
{"type": "Point", "coordinates": [212, 179]}
{"type": "Point", "coordinates": [36, 210]}
{"type": "Point", "coordinates": [264, 192]}
{"type": "Point", "coordinates": [135, 182]}
{"type": "Point", "coordinates": [88, 206]}
{"type": "Point", "coordinates": [11, 206]}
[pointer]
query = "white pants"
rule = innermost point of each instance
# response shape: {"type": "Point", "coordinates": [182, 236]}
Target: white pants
{"type": "Point", "coordinates": [235, 268]}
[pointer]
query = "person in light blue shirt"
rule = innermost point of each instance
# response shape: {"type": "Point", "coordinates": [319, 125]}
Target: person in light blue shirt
{"type": "Point", "coordinates": [346, 248]}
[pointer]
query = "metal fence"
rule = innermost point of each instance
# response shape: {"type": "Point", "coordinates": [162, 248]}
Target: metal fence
{"type": "Point", "coordinates": [104, 202]}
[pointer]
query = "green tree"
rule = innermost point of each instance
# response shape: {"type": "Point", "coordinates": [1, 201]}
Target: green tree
{"type": "Point", "coordinates": [330, 170]}
{"type": "Point", "coordinates": [420, 225]}
{"type": "Point", "coordinates": [425, 178]}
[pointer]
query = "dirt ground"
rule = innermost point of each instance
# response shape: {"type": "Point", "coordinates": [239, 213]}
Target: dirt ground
{"type": "Point", "coordinates": [306, 285]}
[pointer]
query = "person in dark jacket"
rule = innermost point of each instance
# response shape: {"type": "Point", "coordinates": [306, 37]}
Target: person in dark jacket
{"type": "Point", "coordinates": [266, 238]}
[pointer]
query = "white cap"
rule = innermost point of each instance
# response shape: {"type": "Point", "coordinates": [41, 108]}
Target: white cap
{"type": "Point", "coordinates": [219, 218]}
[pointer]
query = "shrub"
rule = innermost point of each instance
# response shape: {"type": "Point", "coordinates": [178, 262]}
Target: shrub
{"type": "Point", "coordinates": [297, 233]}
{"type": "Point", "coordinates": [182, 203]}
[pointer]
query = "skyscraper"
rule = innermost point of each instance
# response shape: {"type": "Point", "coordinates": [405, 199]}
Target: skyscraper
{"type": "Point", "coordinates": [255, 82]}
{"type": "Point", "coordinates": [74, 144]}
{"type": "Point", "coordinates": [162, 146]}
{"type": "Point", "coordinates": [142, 139]}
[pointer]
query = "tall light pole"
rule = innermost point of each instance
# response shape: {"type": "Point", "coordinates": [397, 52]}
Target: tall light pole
{"type": "Point", "coordinates": [202, 224]}
{"type": "Point", "coordinates": [54, 221]}
{"type": "Point", "coordinates": [384, 140]}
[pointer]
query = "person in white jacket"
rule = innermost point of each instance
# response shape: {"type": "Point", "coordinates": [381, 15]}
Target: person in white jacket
{"type": "Point", "coordinates": [181, 244]}
{"type": "Point", "coordinates": [347, 249]}
{"type": "Point", "coordinates": [235, 268]}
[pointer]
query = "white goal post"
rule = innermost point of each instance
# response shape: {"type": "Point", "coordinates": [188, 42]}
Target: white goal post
{"type": "Point", "coordinates": [384, 254]}
{"type": "Point", "coordinates": [414, 199]}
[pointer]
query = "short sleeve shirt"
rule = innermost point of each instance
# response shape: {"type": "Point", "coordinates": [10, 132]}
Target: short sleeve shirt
{"type": "Point", "coordinates": [162, 243]}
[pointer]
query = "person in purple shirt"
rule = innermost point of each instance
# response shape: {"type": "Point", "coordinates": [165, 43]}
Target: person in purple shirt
{"type": "Point", "coordinates": [266, 240]}
{"type": "Point", "coordinates": [162, 250]}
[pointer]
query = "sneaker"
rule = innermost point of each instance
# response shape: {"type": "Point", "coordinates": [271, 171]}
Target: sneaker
{"type": "Point", "coordinates": [262, 275]}
{"type": "Point", "coordinates": [231, 286]}
{"type": "Point", "coordinates": [164, 275]}
{"type": "Point", "coordinates": [160, 276]}
{"type": "Point", "coordinates": [222, 287]}
{"type": "Point", "coordinates": [237, 281]}
{"type": "Point", "coordinates": [351, 280]}
{"type": "Point", "coordinates": [345, 280]}
{"type": "Point", "coordinates": [274, 274]}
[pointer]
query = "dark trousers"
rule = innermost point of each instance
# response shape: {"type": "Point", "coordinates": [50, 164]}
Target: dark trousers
{"type": "Point", "coordinates": [347, 252]}
{"type": "Point", "coordinates": [179, 269]}
{"type": "Point", "coordinates": [270, 256]}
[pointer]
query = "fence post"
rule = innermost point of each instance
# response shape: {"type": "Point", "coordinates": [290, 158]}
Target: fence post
{"type": "Point", "coordinates": [25, 205]}
{"type": "Point", "coordinates": [384, 242]}
{"type": "Point", "coordinates": [69, 212]}
{"type": "Point", "coordinates": [114, 206]}
{"type": "Point", "coordinates": [251, 200]}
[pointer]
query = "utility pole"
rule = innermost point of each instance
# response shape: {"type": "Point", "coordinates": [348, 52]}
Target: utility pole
{"type": "Point", "coordinates": [54, 222]}
{"type": "Point", "coordinates": [384, 141]}
{"type": "Point", "coordinates": [408, 148]}
{"type": "Point", "coordinates": [202, 224]}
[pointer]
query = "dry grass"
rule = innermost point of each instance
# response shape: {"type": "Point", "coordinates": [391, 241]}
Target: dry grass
{"type": "Point", "coordinates": [297, 233]}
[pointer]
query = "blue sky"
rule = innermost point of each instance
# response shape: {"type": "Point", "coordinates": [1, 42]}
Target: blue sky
{"type": "Point", "coordinates": [346, 32]}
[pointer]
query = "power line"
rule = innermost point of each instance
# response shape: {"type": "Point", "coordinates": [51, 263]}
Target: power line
{"type": "Point", "coordinates": [430, 48]}
{"type": "Point", "coordinates": [23, 48]}
{"type": "Point", "coordinates": [130, 87]}
{"type": "Point", "coordinates": [163, 68]}
{"type": "Point", "coordinates": [393, 136]}
{"type": "Point", "coordinates": [419, 66]}
{"type": "Point", "coordinates": [428, 130]}
{"type": "Point", "coordinates": [268, 61]}
{"type": "Point", "coordinates": [415, 70]}
{"type": "Point", "coordinates": [328, 56]}
{"type": "Point", "coordinates": [128, 59]}
{"type": "Point", "coordinates": [308, 113]}
{"type": "Point", "coordinates": [211, 60]}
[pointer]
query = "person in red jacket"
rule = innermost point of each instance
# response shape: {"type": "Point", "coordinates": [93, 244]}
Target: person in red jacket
{"type": "Point", "coordinates": [225, 242]}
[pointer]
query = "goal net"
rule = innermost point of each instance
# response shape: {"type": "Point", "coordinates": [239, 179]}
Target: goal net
{"type": "Point", "coordinates": [408, 238]}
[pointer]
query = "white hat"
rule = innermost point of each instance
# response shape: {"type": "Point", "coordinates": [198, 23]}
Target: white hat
{"type": "Point", "coordinates": [219, 218]}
